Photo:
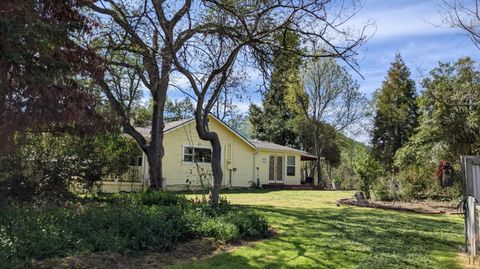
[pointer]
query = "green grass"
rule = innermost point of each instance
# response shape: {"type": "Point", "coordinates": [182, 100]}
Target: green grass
{"type": "Point", "coordinates": [314, 233]}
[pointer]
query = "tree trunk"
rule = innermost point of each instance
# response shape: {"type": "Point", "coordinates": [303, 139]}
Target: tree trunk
{"type": "Point", "coordinates": [216, 169]}
{"type": "Point", "coordinates": [319, 169]}
{"type": "Point", "coordinates": [318, 152]}
{"type": "Point", "coordinates": [216, 164]}
{"type": "Point", "coordinates": [156, 149]}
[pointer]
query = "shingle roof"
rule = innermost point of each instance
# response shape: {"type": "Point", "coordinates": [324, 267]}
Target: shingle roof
{"type": "Point", "coordinates": [269, 145]}
{"type": "Point", "coordinates": [272, 146]}
{"type": "Point", "coordinates": [146, 131]}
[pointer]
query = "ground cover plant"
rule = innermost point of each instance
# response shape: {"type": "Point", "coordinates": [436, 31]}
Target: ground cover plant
{"type": "Point", "coordinates": [124, 223]}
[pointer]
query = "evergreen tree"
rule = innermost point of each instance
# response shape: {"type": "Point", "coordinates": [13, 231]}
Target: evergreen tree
{"type": "Point", "coordinates": [273, 122]}
{"type": "Point", "coordinates": [396, 113]}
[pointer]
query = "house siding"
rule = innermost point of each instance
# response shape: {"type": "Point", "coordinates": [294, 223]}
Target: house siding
{"type": "Point", "coordinates": [237, 164]}
{"type": "Point", "coordinates": [241, 163]}
{"type": "Point", "coordinates": [262, 163]}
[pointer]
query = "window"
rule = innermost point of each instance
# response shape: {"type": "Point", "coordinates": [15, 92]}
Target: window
{"type": "Point", "coordinates": [136, 161]}
{"type": "Point", "coordinates": [200, 155]}
{"type": "Point", "coordinates": [290, 165]}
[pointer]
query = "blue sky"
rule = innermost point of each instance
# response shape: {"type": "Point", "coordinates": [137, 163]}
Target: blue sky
{"type": "Point", "coordinates": [411, 27]}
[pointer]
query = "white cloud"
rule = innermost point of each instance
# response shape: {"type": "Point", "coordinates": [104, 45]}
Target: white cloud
{"type": "Point", "coordinates": [395, 19]}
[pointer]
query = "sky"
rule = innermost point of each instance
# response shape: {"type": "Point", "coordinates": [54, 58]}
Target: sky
{"type": "Point", "coordinates": [412, 28]}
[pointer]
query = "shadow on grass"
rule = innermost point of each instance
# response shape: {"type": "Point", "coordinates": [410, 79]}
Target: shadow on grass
{"type": "Point", "coordinates": [348, 238]}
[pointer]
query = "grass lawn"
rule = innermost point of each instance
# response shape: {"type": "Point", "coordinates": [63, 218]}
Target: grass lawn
{"type": "Point", "coordinates": [314, 233]}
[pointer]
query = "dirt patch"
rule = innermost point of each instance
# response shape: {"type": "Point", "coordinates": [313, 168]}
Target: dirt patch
{"type": "Point", "coordinates": [183, 253]}
{"type": "Point", "coordinates": [425, 207]}
{"type": "Point", "coordinates": [468, 262]}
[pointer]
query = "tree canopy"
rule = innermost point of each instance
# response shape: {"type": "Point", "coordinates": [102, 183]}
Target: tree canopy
{"type": "Point", "coordinates": [395, 117]}
{"type": "Point", "coordinates": [449, 116]}
{"type": "Point", "coordinates": [40, 65]}
{"type": "Point", "coordinates": [285, 78]}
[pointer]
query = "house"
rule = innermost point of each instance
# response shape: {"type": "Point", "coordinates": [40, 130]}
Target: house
{"type": "Point", "coordinates": [244, 162]}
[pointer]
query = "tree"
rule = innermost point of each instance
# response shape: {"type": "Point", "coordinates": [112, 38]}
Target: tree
{"type": "Point", "coordinates": [307, 140]}
{"type": "Point", "coordinates": [449, 122]}
{"type": "Point", "coordinates": [285, 76]}
{"type": "Point", "coordinates": [40, 66]}
{"type": "Point", "coordinates": [368, 170]}
{"type": "Point", "coordinates": [46, 165]}
{"type": "Point", "coordinates": [449, 126]}
{"type": "Point", "coordinates": [463, 15]}
{"type": "Point", "coordinates": [331, 97]}
{"type": "Point", "coordinates": [396, 114]}
{"type": "Point", "coordinates": [178, 109]}
{"type": "Point", "coordinates": [202, 40]}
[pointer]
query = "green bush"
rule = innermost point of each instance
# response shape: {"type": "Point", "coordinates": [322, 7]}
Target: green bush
{"type": "Point", "coordinates": [123, 222]}
{"type": "Point", "coordinates": [212, 210]}
{"type": "Point", "coordinates": [249, 224]}
{"type": "Point", "coordinates": [368, 170]}
{"type": "Point", "coordinates": [418, 182]}
{"type": "Point", "coordinates": [219, 229]}
{"type": "Point", "coordinates": [161, 198]}
{"type": "Point", "coordinates": [387, 189]}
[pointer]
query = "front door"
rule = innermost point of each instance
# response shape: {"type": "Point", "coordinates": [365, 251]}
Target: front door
{"type": "Point", "coordinates": [275, 169]}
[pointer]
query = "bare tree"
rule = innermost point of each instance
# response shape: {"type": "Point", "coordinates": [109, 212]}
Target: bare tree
{"type": "Point", "coordinates": [331, 97]}
{"type": "Point", "coordinates": [463, 14]}
{"type": "Point", "coordinates": [206, 41]}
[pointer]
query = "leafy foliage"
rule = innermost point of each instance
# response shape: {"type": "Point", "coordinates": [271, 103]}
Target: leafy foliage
{"type": "Point", "coordinates": [40, 66]}
{"type": "Point", "coordinates": [124, 222]}
{"type": "Point", "coordinates": [48, 166]}
{"type": "Point", "coordinates": [395, 118]}
{"type": "Point", "coordinates": [285, 77]}
{"type": "Point", "coordinates": [368, 170]}
{"type": "Point", "coordinates": [449, 124]}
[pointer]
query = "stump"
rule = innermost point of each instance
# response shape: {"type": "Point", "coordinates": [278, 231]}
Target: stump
{"type": "Point", "coordinates": [360, 196]}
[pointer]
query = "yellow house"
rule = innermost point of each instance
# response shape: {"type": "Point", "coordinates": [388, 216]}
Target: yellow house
{"type": "Point", "coordinates": [187, 160]}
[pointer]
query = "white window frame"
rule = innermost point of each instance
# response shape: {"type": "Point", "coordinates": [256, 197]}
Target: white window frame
{"type": "Point", "coordinates": [193, 154]}
{"type": "Point", "coordinates": [289, 165]}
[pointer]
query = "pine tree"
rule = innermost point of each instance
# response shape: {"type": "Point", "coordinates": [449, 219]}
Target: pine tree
{"type": "Point", "coordinates": [273, 122]}
{"type": "Point", "coordinates": [396, 113]}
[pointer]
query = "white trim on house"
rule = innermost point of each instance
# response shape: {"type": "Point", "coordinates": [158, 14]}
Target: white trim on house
{"type": "Point", "coordinates": [235, 132]}
{"type": "Point", "coordinates": [178, 126]}
{"type": "Point", "coordinates": [193, 146]}
{"type": "Point", "coordinates": [221, 122]}
{"type": "Point", "coordinates": [287, 165]}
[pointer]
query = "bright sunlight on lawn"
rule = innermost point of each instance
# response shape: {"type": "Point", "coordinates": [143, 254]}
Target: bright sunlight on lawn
{"type": "Point", "coordinates": [314, 233]}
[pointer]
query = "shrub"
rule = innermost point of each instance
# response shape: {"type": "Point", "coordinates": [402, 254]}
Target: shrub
{"type": "Point", "coordinates": [160, 198]}
{"type": "Point", "coordinates": [368, 170]}
{"type": "Point", "coordinates": [249, 224]}
{"type": "Point", "coordinates": [219, 229]}
{"type": "Point", "coordinates": [387, 189]}
{"type": "Point", "coordinates": [123, 222]}
{"type": "Point", "coordinates": [212, 210]}
{"type": "Point", "coordinates": [47, 166]}
{"type": "Point", "coordinates": [418, 182]}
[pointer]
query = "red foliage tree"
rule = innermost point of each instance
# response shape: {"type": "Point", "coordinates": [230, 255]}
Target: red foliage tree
{"type": "Point", "coordinates": [40, 67]}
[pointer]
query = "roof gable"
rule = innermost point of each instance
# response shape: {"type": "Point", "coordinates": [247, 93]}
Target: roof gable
{"type": "Point", "coordinates": [170, 126]}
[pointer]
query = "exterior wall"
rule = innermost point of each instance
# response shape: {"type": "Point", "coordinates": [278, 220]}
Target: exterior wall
{"type": "Point", "coordinates": [241, 163]}
{"type": "Point", "coordinates": [262, 164]}
{"type": "Point", "coordinates": [237, 157]}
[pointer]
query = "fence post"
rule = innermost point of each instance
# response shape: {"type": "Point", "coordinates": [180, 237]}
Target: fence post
{"type": "Point", "coordinates": [470, 226]}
